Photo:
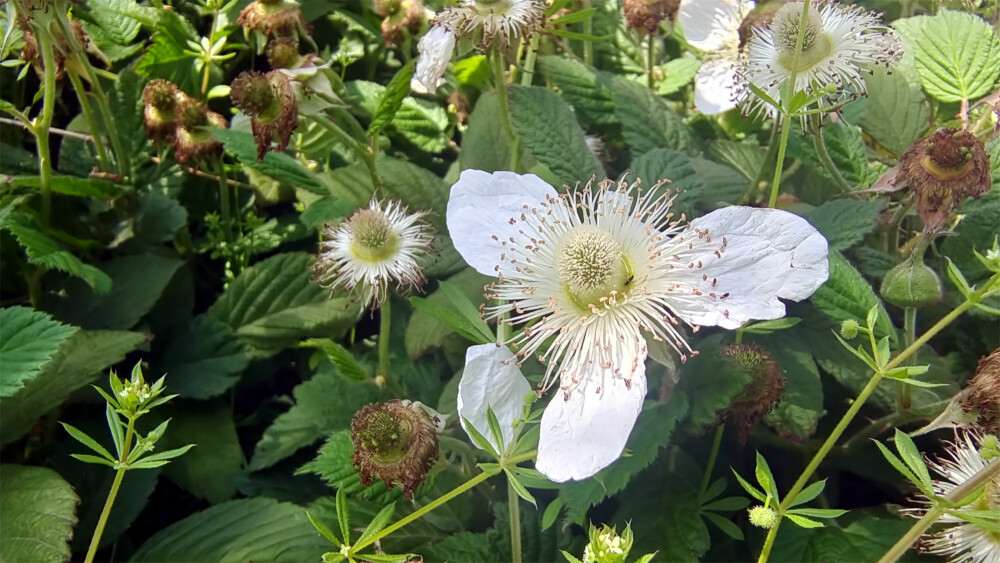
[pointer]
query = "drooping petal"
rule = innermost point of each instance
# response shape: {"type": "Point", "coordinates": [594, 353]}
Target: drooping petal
{"type": "Point", "coordinates": [480, 208]}
{"type": "Point", "coordinates": [491, 379]}
{"type": "Point", "coordinates": [711, 25]}
{"type": "Point", "coordinates": [435, 50]}
{"type": "Point", "coordinates": [715, 86]}
{"type": "Point", "coordinates": [767, 254]}
{"type": "Point", "coordinates": [586, 431]}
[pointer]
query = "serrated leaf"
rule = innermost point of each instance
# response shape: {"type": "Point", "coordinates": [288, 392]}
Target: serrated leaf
{"type": "Point", "coordinates": [37, 514]}
{"type": "Point", "coordinates": [586, 89]}
{"type": "Point", "coordinates": [342, 359]}
{"type": "Point", "coordinates": [277, 165]}
{"type": "Point", "coordinates": [846, 295]}
{"type": "Point", "coordinates": [677, 74]}
{"type": "Point", "coordinates": [857, 541]}
{"type": "Point", "coordinates": [957, 53]}
{"type": "Point", "coordinates": [205, 359]}
{"type": "Point", "coordinates": [327, 209]}
{"type": "Point", "coordinates": [647, 122]}
{"type": "Point", "coordinates": [44, 251]}
{"type": "Point", "coordinates": [484, 144]}
{"type": "Point", "coordinates": [392, 99]}
{"type": "Point", "coordinates": [710, 395]}
{"type": "Point", "coordinates": [28, 339]}
{"type": "Point", "coordinates": [335, 465]}
{"type": "Point", "coordinates": [897, 112]}
{"type": "Point", "coordinates": [745, 158]}
{"type": "Point", "coordinates": [420, 122]}
{"type": "Point", "coordinates": [72, 186]}
{"type": "Point", "coordinates": [844, 222]}
{"type": "Point", "coordinates": [549, 130]}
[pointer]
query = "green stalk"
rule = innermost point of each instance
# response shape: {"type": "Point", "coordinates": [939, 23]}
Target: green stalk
{"type": "Point", "coordinates": [529, 61]}
{"type": "Point", "coordinates": [383, 338]}
{"type": "Point", "coordinates": [779, 164]}
{"type": "Point", "coordinates": [650, 52]}
{"type": "Point", "coordinates": [515, 521]}
{"type": "Point", "coordinates": [772, 151]}
{"type": "Point", "coordinates": [588, 30]}
{"type": "Point", "coordinates": [227, 216]}
{"type": "Point", "coordinates": [980, 479]}
{"type": "Point", "coordinates": [88, 114]}
{"type": "Point", "coordinates": [909, 335]}
{"type": "Point", "coordinates": [499, 78]}
{"type": "Point", "coordinates": [824, 157]}
{"type": "Point", "coordinates": [358, 148]}
{"type": "Point", "coordinates": [707, 477]}
{"type": "Point", "coordinates": [115, 485]}
{"type": "Point", "coordinates": [44, 121]}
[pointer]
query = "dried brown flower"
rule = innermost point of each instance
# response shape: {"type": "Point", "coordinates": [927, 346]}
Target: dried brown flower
{"type": "Point", "coordinates": [765, 388]}
{"type": "Point", "coordinates": [648, 14]}
{"type": "Point", "coordinates": [395, 442]}
{"type": "Point", "coordinates": [984, 394]}
{"type": "Point", "coordinates": [270, 102]}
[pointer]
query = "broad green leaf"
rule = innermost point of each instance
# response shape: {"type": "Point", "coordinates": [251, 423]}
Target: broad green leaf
{"type": "Point", "coordinates": [324, 210]}
{"type": "Point", "coordinates": [28, 339]}
{"type": "Point", "coordinates": [844, 222]}
{"type": "Point", "coordinates": [392, 99]}
{"type": "Point", "coordinates": [205, 359]}
{"type": "Point", "coordinates": [77, 363]}
{"type": "Point", "coordinates": [549, 130]}
{"type": "Point", "coordinates": [700, 183]}
{"type": "Point", "coordinates": [73, 186]}
{"type": "Point", "coordinates": [342, 359]}
{"type": "Point", "coordinates": [647, 122]}
{"type": "Point", "coordinates": [976, 229]}
{"type": "Point", "coordinates": [37, 514]}
{"type": "Point", "coordinates": [324, 404]}
{"type": "Point", "coordinates": [44, 251]}
{"type": "Point", "coordinates": [861, 540]}
{"type": "Point", "coordinates": [425, 331]}
{"type": "Point", "coordinates": [334, 464]}
{"type": "Point", "coordinates": [277, 165]}
{"type": "Point", "coordinates": [127, 103]}
{"type": "Point", "coordinates": [484, 144]}
{"type": "Point", "coordinates": [166, 58]}
{"type": "Point", "coordinates": [257, 529]}
{"type": "Point", "coordinates": [422, 123]}
{"type": "Point", "coordinates": [745, 158]}
{"type": "Point", "coordinates": [847, 149]}
{"type": "Point", "coordinates": [273, 304]}
{"type": "Point", "coordinates": [897, 112]}
{"type": "Point", "coordinates": [157, 220]}
{"type": "Point", "coordinates": [957, 53]}
{"type": "Point", "coordinates": [677, 74]}
{"type": "Point", "coordinates": [710, 395]}
{"type": "Point", "coordinates": [463, 546]}
{"type": "Point", "coordinates": [846, 295]}
{"type": "Point", "coordinates": [586, 89]}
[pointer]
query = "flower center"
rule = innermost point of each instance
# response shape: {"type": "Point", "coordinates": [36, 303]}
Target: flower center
{"type": "Point", "coordinates": [591, 265]}
{"type": "Point", "coordinates": [372, 237]}
{"type": "Point", "coordinates": [816, 44]}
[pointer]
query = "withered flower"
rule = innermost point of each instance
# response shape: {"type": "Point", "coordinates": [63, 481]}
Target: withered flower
{"type": "Point", "coordinates": [395, 442]}
{"type": "Point", "coordinates": [765, 388]}
{"type": "Point", "coordinates": [648, 14]}
{"type": "Point", "coordinates": [399, 15]}
{"type": "Point", "coordinates": [33, 56]}
{"type": "Point", "coordinates": [160, 100]}
{"type": "Point", "coordinates": [942, 170]}
{"type": "Point", "coordinates": [283, 53]}
{"type": "Point", "coordinates": [270, 102]}
{"type": "Point", "coordinates": [984, 394]}
{"type": "Point", "coordinates": [274, 18]}
{"type": "Point", "coordinates": [192, 140]}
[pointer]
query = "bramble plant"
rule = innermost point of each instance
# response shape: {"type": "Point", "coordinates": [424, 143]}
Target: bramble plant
{"type": "Point", "coordinates": [500, 280]}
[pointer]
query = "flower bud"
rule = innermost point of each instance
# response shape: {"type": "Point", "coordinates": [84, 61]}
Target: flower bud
{"type": "Point", "coordinates": [606, 546]}
{"type": "Point", "coordinates": [911, 284]}
{"type": "Point", "coordinates": [270, 102]}
{"type": "Point", "coordinates": [283, 53]}
{"type": "Point", "coordinates": [192, 140]}
{"type": "Point", "coordinates": [983, 394]}
{"type": "Point", "coordinates": [849, 329]}
{"type": "Point", "coordinates": [763, 517]}
{"type": "Point", "coordinates": [764, 389]}
{"type": "Point", "coordinates": [160, 99]}
{"type": "Point", "coordinates": [274, 18]}
{"type": "Point", "coordinates": [395, 442]}
{"type": "Point", "coordinates": [406, 16]}
{"type": "Point", "coordinates": [942, 170]}
{"type": "Point", "coordinates": [647, 14]}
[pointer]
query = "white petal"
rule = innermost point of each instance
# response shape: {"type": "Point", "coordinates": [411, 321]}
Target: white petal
{"type": "Point", "coordinates": [710, 25]}
{"type": "Point", "coordinates": [769, 254]}
{"type": "Point", "coordinates": [586, 433]}
{"type": "Point", "coordinates": [715, 86]}
{"type": "Point", "coordinates": [491, 379]}
{"type": "Point", "coordinates": [435, 50]}
{"type": "Point", "coordinates": [481, 206]}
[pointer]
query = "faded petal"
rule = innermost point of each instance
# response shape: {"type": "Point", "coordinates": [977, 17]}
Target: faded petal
{"type": "Point", "coordinates": [715, 86]}
{"type": "Point", "coordinates": [586, 431]}
{"type": "Point", "coordinates": [480, 207]}
{"type": "Point", "coordinates": [709, 25]}
{"type": "Point", "coordinates": [769, 254]}
{"type": "Point", "coordinates": [435, 50]}
{"type": "Point", "coordinates": [491, 379]}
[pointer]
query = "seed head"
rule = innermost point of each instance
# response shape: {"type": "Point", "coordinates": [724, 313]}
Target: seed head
{"type": "Point", "coordinates": [270, 102]}
{"type": "Point", "coordinates": [192, 140]}
{"type": "Point", "coordinates": [395, 442]}
{"type": "Point", "coordinates": [283, 53]}
{"type": "Point", "coordinates": [984, 394]}
{"type": "Point", "coordinates": [763, 517]}
{"type": "Point", "coordinates": [160, 101]}
{"type": "Point", "coordinates": [648, 14]}
{"type": "Point", "coordinates": [274, 18]}
{"type": "Point", "coordinates": [764, 389]}
{"type": "Point", "coordinates": [406, 17]}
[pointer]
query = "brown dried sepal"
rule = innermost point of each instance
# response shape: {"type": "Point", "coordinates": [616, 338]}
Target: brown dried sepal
{"type": "Point", "coordinates": [647, 14]}
{"type": "Point", "coordinates": [269, 100]}
{"type": "Point", "coordinates": [942, 170]}
{"type": "Point", "coordinates": [160, 100]}
{"type": "Point", "coordinates": [191, 140]}
{"type": "Point", "coordinates": [395, 442]}
{"type": "Point", "coordinates": [408, 16]}
{"type": "Point", "coordinates": [761, 393]}
{"type": "Point", "coordinates": [274, 18]}
{"type": "Point", "coordinates": [33, 56]}
{"type": "Point", "coordinates": [983, 394]}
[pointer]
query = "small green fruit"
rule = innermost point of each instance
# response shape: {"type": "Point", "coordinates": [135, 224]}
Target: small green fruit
{"type": "Point", "coordinates": [911, 284]}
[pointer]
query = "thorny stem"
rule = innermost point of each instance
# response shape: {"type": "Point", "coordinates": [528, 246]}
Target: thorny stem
{"type": "Point", "coordinates": [824, 156]}
{"type": "Point", "coordinates": [115, 485]}
{"type": "Point", "coordinates": [707, 477]}
{"type": "Point", "coordinates": [515, 521]}
{"type": "Point", "coordinates": [831, 440]}
{"type": "Point", "coordinates": [981, 478]}
{"type": "Point", "coordinates": [785, 117]}
{"type": "Point", "coordinates": [499, 79]}
{"type": "Point", "coordinates": [88, 114]}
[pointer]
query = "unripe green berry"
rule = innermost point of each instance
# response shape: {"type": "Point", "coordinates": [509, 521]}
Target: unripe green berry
{"type": "Point", "coordinates": [763, 517]}
{"type": "Point", "coordinates": [849, 329]}
{"type": "Point", "coordinates": [911, 284]}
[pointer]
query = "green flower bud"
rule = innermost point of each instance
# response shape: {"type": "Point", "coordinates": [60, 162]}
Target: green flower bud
{"type": "Point", "coordinates": [849, 329]}
{"type": "Point", "coordinates": [763, 517]}
{"type": "Point", "coordinates": [606, 546]}
{"type": "Point", "coordinates": [911, 284]}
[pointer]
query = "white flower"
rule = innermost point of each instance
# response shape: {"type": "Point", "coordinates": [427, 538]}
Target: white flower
{"type": "Point", "coordinates": [961, 540]}
{"type": "Point", "coordinates": [713, 26]}
{"type": "Point", "coordinates": [498, 23]}
{"type": "Point", "coordinates": [841, 42]}
{"type": "Point", "coordinates": [491, 379]}
{"type": "Point", "coordinates": [371, 248]}
{"type": "Point", "coordinates": [591, 273]}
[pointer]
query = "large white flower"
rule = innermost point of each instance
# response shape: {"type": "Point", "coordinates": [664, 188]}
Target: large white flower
{"type": "Point", "coordinates": [713, 26]}
{"type": "Point", "coordinates": [498, 23]}
{"type": "Point", "coordinates": [371, 248]}
{"type": "Point", "coordinates": [841, 42]}
{"type": "Point", "coordinates": [961, 540]}
{"type": "Point", "coordinates": [592, 273]}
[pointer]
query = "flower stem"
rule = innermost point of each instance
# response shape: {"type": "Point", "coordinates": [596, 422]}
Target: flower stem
{"type": "Point", "coordinates": [88, 114]}
{"type": "Point", "coordinates": [779, 163]}
{"type": "Point", "coordinates": [529, 61]}
{"type": "Point", "coordinates": [909, 335]}
{"type": "Point", "coordinates": [227, 218]}
{"type": "Point", "coordinates": [588, 30]}
{"type": "Point", "coordinates": [44, 121]}
{"type": "Point", "coordinates": [824, 157]}
{"type": "Point", "coordinates": [772, 151]}
{"type": "Point", "coordinates": [707, 477]}
{"type": "Point", "coordinates": [385, 321]}
{"type": "Point", "coordinates": [423, 510]}
{"type": "Point", "coordinates": [515, 521]}
{"type": "Point", "coordinates": [981, 478]}
{"type": "Point", "coordinates": [650, 52]}
{"type": "Point", "coordinates": [499, 78]}
{"type": "Point", "coordinates": [115, 485]}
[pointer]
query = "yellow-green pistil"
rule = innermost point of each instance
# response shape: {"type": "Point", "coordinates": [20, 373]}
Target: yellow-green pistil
{"type": "Point", "coordinates": [372, 237]}
{"type": "Point", "coordinates": [591, 266]}
{"type": "Point", "coordinates": [816, 44]}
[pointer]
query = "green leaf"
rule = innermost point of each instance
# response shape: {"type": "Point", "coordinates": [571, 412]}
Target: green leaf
{"type": "Point", "coordinates": [647, 122]}
{"type": "Point", "coordinates": [76, 364]}
{"type": "Point", "coordinates": [710, 395]}
{"type": "Point", "coordinates": [765, 478]}
{"type": "Point", "coordinates": [911, 456]}
{"type": "Point", "coordinates": [463, 546]}
{"type": "Point", "coordinates": [727, 504]}
{"type": "Point", "coordinates": [586, 89]}
{"type": "Point", "coordinates": [44, 251]}
{"type": "Point", "coordinates": [392, 99]}
{"type": "Point", "coordinates": [419, 122]}
{"type": "Point", "coordinates": [745, 158]}
{"type": "Point", "coordinates": [166, 58]}
{"type": "Point", "coordinates": [257, 529]}
{"type": "Point", "coordinates": [343, 516]}
{"type": "Point", "coordinates": [480, 441]}
{"type": "Point", "coordinates": [277, 165]}
{"type": "Point", "coordinates": [957, 54]}
{"type": "Point", "coordinates": [127, 104]}
{"type": "Point", "coordinates": [552, 512]}
{"type": "Point", "coordinates": [28, 339]}
{"type": "Point", "coordinates": [819, 512]}
{"type": "Point", "coordinates": [700, 184]}
{"type": "Point", "coordinates": [750, 489]}
{"type": "Point", "coordinates": [324, 404]}
{"type": "Point", "coordinates": [520, 489]}
{"type": "Point", "coordinates": [899, 465]}
{"type": "Point", "coordinates": [86, 440]}
{"type": "Point", "coordinates": [976, 229]}
{"type": "Point", "coordinates": [327, 533]}
{"type": "Point", "coordinates": [677, 74]}
{"type": "Point", "coordinates": [897, 112]}
{"type": "Point", "coordinates": [342, 359]}
{"type": "Point", "coordinates": [205, 359]}
{"type": "Point", "coordinates": [803, 522]}
{"type": "Point", "coordinates": [770, 327]}
{"type": "Point", "coordinates": [549, 130]}
{"type": "Point", "coordinates": [72, 186]}
{"type": "Point", "coordinates": [450, 319]}
{"type": "Point", "coordinates": [425, 330]}
{"type": "Point", "coordinates": [378, 523]}
{"type": "Point", "coordinates": [846, 295]}
{"type": "Point", "coordinates": [137, 281]}
{"type": "Point", "coordinates": [273, 304]}
{"type": "Point", "coordinates": [334, 464]}
{"type": "Point", "coordinates": [37, 514]}
{"type": "Point", "coordinates": [809, 493]}
{"type": "Point", "coordinates": [327, 209]}
{"type": "Point", "coordinates": [484, 144]}
{"type": "Point", "coordinates": [844, 222]}
{"type": "Point", "coordinates": [727, 526]}
{"type": "Point", "coordinates": [861, 540]}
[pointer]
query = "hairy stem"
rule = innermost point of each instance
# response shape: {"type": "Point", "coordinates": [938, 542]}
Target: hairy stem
{"type": "Point", "coordinates": [515, 521]}
{"type": "Point", "coordinates": [499, 79]}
